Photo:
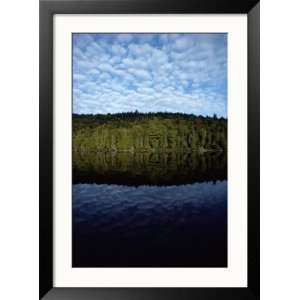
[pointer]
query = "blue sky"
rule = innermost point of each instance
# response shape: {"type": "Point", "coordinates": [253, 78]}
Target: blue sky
{"type": "Point", "coordinates": [150, 72]}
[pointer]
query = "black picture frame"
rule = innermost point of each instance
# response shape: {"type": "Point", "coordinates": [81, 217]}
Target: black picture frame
{"type": "Point", "coordinates": [47, 10]}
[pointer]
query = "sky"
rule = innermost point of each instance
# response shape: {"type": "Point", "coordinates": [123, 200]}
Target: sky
{"type": "Point", "coordinates": [184, 73]}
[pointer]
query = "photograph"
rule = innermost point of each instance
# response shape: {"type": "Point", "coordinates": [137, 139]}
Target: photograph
{"type": "Point", "coordinates": [149, 150]}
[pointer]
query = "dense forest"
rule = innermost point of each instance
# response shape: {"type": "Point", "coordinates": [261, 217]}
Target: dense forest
{"type": "Point", "coordinates": [151, 132]}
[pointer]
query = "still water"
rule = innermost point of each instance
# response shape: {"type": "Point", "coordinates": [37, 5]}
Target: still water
{"type": "Point", "coordinates": [182, 223]}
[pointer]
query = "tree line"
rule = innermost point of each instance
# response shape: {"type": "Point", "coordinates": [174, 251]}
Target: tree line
{"type": "Point", "coordinates": [148, 132]}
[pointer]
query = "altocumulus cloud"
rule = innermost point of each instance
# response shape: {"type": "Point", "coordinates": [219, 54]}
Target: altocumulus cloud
{"type": "Point", "coordinates": [149, 73]}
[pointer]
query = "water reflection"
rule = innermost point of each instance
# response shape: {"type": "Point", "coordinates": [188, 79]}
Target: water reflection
{"type": "Point", "coordinates": [147, 210]}
{"type": "Point", "coordinates": [149, 168]}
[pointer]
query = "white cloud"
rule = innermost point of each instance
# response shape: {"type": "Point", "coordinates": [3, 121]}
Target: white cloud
{"type": "Point", "coordinates": [78, 76]}
{"type": "Point", "coordinates": [183, 43]}
{"type": "Point", "coordinates": [169, 72]}
{"type": "Point", "coordinates": [118, 50]}
{"type": "Point", "coordinates": [124, 38]}
{"type": "Point", "coordinates": [140, 74]}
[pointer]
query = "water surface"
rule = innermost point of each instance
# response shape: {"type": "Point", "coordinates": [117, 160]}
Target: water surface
{"type": "Point", "coordinates": [178, 224]}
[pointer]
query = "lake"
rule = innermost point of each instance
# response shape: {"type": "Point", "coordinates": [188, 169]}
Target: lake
{"type": "Point", "coordinates": [150, 211]}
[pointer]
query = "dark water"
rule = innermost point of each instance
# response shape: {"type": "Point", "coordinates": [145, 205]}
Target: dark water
{"type": "Point", "coordinates": [120, 222]}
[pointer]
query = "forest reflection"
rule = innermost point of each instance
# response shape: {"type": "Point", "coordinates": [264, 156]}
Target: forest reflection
{"type": "Point", "coordinates": [149, 168]}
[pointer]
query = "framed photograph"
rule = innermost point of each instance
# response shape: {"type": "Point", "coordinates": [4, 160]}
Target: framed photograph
{"type": "Point", "coordinates": [149, 149]}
